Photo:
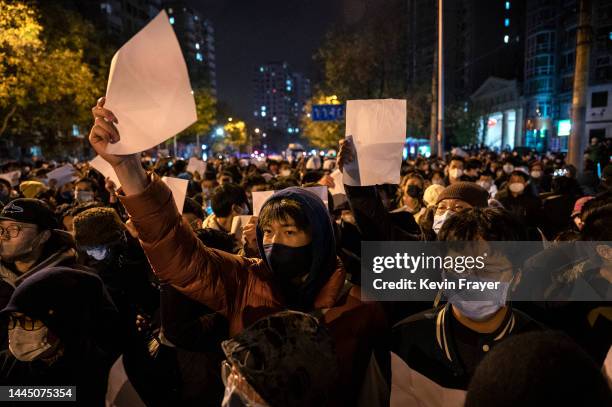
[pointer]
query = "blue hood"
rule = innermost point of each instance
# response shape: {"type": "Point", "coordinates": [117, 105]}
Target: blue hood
{"type": "Point", "coordinates": [323, 241]}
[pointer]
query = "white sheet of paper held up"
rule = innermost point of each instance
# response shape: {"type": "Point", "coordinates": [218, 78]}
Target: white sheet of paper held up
{"type": "Point", "coordinates": [378, 130]}
{"type": "Point", "coordinates": [195, 164]}
{"type": "Point", "coordinates": [62, 175]}
{"type": "Point", "coordinates": [149, 90]}
{"type": "Point", "coordinates": [99, 164]}
{"type": "Point", "coordinates": [178, 186]}
{"type": "Point", "coordinates": [260, 197]}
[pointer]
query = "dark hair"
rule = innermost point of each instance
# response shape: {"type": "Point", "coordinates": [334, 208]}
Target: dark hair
{"type": "Point", "coordinates": [487, 173]}
{"type": "Point", "coordinates": [597, 202]}
{"type": "Point", "coordinates": [252, 180]}
{"type": "Point", "coordinates": [541, 368]}
{"type": "Point", "coordinates": [216, 239]}
{"type": "Point", "coordinates": [598, 224]}
{"type": "Point", "coordinates": [87, 180]}
{"type": "Point", "coordinates": [490, 224]}
{"type": "Point", "coordinates": [456, 158]}
{"type": "Point", "coordinates": [312, 176]}
{"type": "Point", "coordinates": [282, 210]}
{"type": "Point", "coordinates": [191, 206]}
{"type": "Point", "coordinates": [180, 166]}
{"type": "Point", "coordinates": [284, 182]}
{"type": "Point", "coordinates": [224, 197]}
{"type": "Point", "coordinates": [473, 163]}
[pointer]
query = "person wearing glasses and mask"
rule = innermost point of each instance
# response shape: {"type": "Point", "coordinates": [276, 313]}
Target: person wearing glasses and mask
{"type": "Point", "coordinates": [433, 354]}
{"type": "Point", "coordinates": [457, 198]}
{"type": "Point", "coordinates": [62, 329]}
{"type": "Point", "coordinates": [30, 240]}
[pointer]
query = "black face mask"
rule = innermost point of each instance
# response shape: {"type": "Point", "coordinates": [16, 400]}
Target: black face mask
{"type": "Point", "coordinates": [288, 262]}
{"type": "Point", "coordinates": [414, 191]}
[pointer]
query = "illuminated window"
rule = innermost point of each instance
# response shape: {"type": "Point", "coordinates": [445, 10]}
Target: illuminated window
{"type": "Point", "coordinates": [507, 22]}
{"type": "Point", "coordinates": [169, 11]}
{"type": "Point", "coordinates": [171, 20]}
{"type": "Point", "coordinates": [197, 46]}
{"type": "Point", "coordinates": [261, 69]}
{"type": "Point", "coordinates": [199, 57]}
{"type": "Point", "coordinates": [507, 5]}
{"type": "Point", "coordinates": [506, 39]}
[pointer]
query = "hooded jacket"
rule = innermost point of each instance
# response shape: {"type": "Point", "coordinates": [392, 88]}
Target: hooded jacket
{"type": "Point", "coordinates": [244, 289]}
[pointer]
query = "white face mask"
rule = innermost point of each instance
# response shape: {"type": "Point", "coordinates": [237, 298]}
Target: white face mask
{"type": "Point", "coordinates": [83, 196]}
{"type": "Point", "coordinates": [98, 253]}
{"type": "Point", "coordinates": [485, 184]}
{"type": "Point", "coordinates": [27, 346]}
{"type": "Point", "coordinates": [517, 187]}
{"type": "Point", "coordinates": [536, 174]}
{"type": "Point", "coordinates": [455, 173]}
{"type": "Point", "coordinates": [439, 221]}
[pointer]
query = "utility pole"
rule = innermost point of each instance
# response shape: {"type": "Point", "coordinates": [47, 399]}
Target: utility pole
{"type": "Point", "coordinates": [440, 132]}
{"type": "Point", "coordinates": [433, 121]}
{"type": "Point", "coordinates": [581, 83]}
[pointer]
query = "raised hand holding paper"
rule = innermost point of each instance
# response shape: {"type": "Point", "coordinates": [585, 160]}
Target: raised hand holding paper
{"type": "Point", "coordinates": [378, 131]}
{"type": "Point", "coordinates": [178, 187]}
{"type": "Point", "coordinates": [148, 89]}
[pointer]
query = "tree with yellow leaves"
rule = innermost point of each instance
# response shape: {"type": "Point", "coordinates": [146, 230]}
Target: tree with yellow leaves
{"type": "Point", "coordinates": [45, 85]}
{"type": "Point", "coordinates": [206, 107]}
{"type": "Point", "coordinates": [235, 135]}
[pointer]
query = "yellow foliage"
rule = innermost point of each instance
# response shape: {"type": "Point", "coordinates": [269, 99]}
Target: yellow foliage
{"type": "Point", "coordinates": [34, 74]}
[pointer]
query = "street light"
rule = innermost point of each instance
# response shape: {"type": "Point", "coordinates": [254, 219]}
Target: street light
{"type": "Point", "coordinates": [229, 119]}
{"type": "Point", "coordinates": [257, 131]}
{"type": "Point", "coordinates": [219, 131]}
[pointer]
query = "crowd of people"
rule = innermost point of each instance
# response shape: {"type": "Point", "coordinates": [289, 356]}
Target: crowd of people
{"type": "Point", "coordinates": [118, 293]}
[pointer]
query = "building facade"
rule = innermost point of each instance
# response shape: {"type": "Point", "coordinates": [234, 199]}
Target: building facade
{"type": "Point", "coordinates": [279, 99]}
{"type": "Point", "coordinates": [196, 36]}
{"type": "Point", "coordinates": [547, 84]}
{"type": "Point", "coordinates": [550, 57]}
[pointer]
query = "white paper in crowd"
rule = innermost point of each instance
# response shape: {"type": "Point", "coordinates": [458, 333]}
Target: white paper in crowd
{"type": "Point", "coordinates": [62, 175]}
{"type": "Point", "coordinates": [149, 90]}
{"type": "Point", "coordinates": [195, 164]}
{"type": "Point", "coordinates": [178, 186]}
{"type": "Point", "coordinates": [320, 191]}
{"type": "Point", "coordinates": [377, 128]}
{"type": "Point", "coordinates": [338, 188]}
{"type": "Point", "coordinates": [238, 222]}
{"type": "Point", "coordinates": [12, 177]}
{"type": "Point", "coordinates": [103, 167]}
{"type": "Point", "coordinates": [259, 197]}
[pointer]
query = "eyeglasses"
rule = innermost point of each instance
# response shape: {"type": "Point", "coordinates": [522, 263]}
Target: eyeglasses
{"type": "Point", "coordinates": [13, 230]}
{"type": "Point", "coordinates": [25, 322]}
{"type": "Point", "coordinates": [454, 209]}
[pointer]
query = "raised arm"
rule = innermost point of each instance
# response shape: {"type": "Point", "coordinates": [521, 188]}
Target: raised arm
{"type": "Point", "coordinates": [176, 255]}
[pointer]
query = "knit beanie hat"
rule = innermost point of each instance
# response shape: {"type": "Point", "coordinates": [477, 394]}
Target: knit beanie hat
{"type": "Point", "coordinates": [466, 191]}
{"type": "Point", "coordinates": [430, 197]}
{"type": "Point", "coordinates": [97, 226]}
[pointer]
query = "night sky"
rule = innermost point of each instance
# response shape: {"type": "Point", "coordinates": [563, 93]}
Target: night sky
{"type": "Point", "coordinates": [249, 33]}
